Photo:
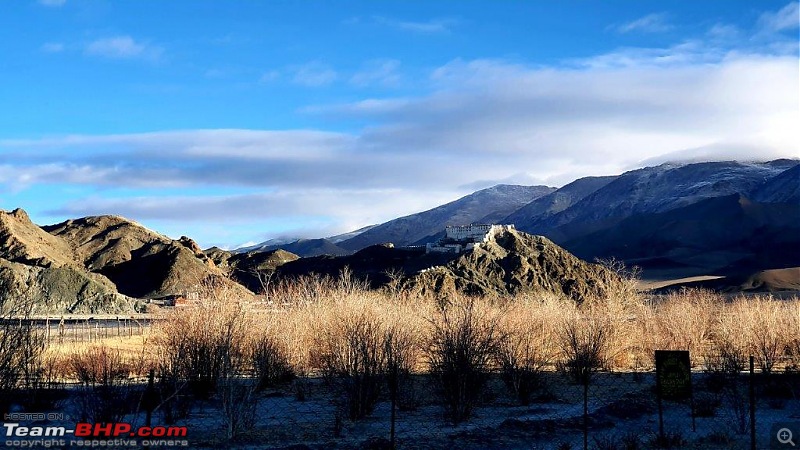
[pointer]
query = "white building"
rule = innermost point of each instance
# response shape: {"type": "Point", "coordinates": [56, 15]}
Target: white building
{"type": "Point", "coordinates": [464, 237]}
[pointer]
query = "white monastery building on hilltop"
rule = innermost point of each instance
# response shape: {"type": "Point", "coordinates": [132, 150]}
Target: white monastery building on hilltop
{"type": "Point", "coordinates": [459, 238]}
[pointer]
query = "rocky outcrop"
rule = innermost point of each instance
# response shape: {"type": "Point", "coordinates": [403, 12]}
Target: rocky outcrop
{"type": "Point", "coordinates": [515, 262]}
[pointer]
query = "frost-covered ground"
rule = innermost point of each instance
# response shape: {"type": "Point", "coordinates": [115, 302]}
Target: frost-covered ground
{"type": "Point", "coordinates": [622, 409]}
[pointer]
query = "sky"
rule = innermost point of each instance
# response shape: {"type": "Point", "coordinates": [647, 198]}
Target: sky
{"type": "Point", "coordinates": [234, 122]}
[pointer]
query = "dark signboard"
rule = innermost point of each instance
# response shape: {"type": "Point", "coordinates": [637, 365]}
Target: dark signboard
{"type": "Point", "coordinates": [673, 374]}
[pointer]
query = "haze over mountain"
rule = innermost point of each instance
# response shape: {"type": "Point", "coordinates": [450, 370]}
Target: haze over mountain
{"type": "Point", "coordinates": [556, 201]}
{"type": "Point", "coordinates": [301, 247]}
{"type": "Point", "coordinates": [484, 206]}
{"type": "Point", "coordinates": [654, 190]}
{"type": "Point", "coordinates": [692, 217]}
{"type": "Point", "coordinates": [306, 247]}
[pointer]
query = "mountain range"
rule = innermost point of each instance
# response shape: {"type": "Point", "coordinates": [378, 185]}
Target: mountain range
{"type": "Point", "coordinates": [101, 264]}
{"type": "Point", "coordinates": [737, 220]}
{"type": "Point", "coordinates": [684, 218]}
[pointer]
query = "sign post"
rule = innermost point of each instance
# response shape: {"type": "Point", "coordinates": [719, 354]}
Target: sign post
{"type": "Point", "coordinates": [673, 380]}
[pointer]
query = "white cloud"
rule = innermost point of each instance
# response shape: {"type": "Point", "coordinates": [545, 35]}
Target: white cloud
{"type": "Point", "coordinates": [432, 26]}
{"type": "Point", "coordinates": [787, 18]}
{"type": "Point", "coordinates": [314, 74]}
{"type": "Point", "coordinates": [487, 120]}
{"type": "Point", "coordinates": [651, 23]}
{"type": "Point", "coordinates": [269, 76]}
{"type": "Point", "coordinates": [723, 31]}
{"type": "Point", "coordinates": [482, 121]}
{"type": "Point", "coordinates": [53, 47]}
{"type": "Point", "coordinates": [122, 47]}
{"type": "Point", "coordinates": [383, 72]}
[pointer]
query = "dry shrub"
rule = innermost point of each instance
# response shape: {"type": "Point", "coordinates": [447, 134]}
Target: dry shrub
{"type": "Point", "coordinates": [42, 386]}
{"type": "Point", "coordinates": [732, 339]}
{"type": "Point", "coordinates": [528, 345]}
{"type": "Point", "coordinates": [770, 328]}
{"type": "Point", "coordinates": [350, 348]}
{"type": "Point", "coordinates": [106, 385]}
{"type": "Point", "coordinates": [463, 341]}
{"type": "Point", "coordinates": [685, 321]}
{"type": "Point", "coordinates": [99, 365]}
{"type": "Point", "coordinates": [793, 332]}
{"type": "Point", "coordinates": [206, 347]}
{"type": "Point", "coordinates": [584, 340]}
{"type": "Point", "coordinates": [204, 343]}
{"type": "Point", "coordinates": [303, 289]}
{"type": "Point", "coordinates": [270, 361]}
{"type": "Point", "coordinates": [403, 350]}
{"type": "Point", "coordinates": [615, 317]}
{"type": "Point", "coordinates": [239, 400]}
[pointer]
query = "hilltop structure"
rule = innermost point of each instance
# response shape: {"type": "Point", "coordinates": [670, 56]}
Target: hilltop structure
{"type": "Point", "coordinates": [460, 238]}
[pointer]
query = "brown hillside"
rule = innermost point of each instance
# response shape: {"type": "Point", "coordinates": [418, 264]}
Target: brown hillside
{"type": "Point", "coordinates": [249, 269]}
{"type": "Point", "coordinates": [774, 280]}
{"type": "Point", "coordinates": [39, 268]}
{"type": "Point", "coordinates": [140, 262]}
{"type": "Point", "coordinates": [24, 242]}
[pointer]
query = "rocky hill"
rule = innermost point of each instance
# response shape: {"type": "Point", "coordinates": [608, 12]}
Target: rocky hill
{"type": "Point", "coordinates": [140, 262]}
{"type": "Point", "coordinates": [251, 269]}
{"type": "Point", "coordinates": [516, 262]}
{"type": "Point", "coordinates": [38, 270]}
{"type": "Point", "coordinates": [512, 262]}
{"type": "Point", "coordinates": [24, 242]}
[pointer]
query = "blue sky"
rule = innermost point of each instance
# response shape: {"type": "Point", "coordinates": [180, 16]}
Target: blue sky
{"type": "Point", "coordinates": [239, 121]}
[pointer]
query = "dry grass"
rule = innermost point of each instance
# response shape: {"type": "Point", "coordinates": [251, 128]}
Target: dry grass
{"type": "Point", "coordinates": [308, 324]}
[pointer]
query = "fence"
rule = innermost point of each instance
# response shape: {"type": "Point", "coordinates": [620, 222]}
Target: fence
{"type": "Point", "coordinates": [608, 410]}
{"type": "Point", "coordinates": [728, 409]}
{"type": "Point", "coordinates": [90, 329]}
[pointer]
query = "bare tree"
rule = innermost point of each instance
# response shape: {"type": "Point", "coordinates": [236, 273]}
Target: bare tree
{"type": "Point", "coordinates": [20, 343]}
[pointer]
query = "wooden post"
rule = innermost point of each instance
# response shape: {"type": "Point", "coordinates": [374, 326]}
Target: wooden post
{"type": "Point", "coordinates": [752, 404]}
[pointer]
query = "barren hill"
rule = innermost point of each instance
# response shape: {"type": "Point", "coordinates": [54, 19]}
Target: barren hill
{"type": "Point", "coordinates": [251, 268]}
{"type": "Point", "coordinates": [722, 236]}
{"type": "Point", "coordinates": [39, 269]}
{"type": "Point", "coordinates": [24, 242]}
{"type": "Point", "coordinates": [140, 262]}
